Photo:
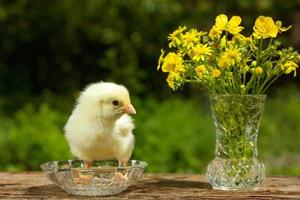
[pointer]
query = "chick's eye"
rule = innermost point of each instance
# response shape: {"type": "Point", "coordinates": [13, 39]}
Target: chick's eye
{"type": "Point", "coordinates": [115, 102]}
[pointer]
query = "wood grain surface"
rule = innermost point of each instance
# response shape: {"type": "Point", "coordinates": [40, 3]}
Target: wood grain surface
{"type": "Point", "coordinates": [34, 185]}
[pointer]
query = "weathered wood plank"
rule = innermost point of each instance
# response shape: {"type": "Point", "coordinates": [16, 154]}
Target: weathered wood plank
{"type": "Point", "coordinates": [34, 185]}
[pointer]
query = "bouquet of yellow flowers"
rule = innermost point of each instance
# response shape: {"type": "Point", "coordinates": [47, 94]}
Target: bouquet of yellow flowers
{"type": "Point", "coordinates": [226, 62]}
{"type": "Point", "coordinates": [236, 70]}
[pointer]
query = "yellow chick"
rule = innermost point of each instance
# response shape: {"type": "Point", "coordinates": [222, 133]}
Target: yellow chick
{"type": "Point", "coordinates": [100, 127]}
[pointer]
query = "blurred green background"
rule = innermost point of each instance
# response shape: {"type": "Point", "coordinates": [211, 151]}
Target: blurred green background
{"type": "Point", "coordinates": [49, 50]}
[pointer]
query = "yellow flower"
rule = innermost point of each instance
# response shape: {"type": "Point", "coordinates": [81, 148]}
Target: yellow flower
{"type": "Point", "coordinates": [190, 37]}
{"type": "Point", "coordinates": [172, 78]}
{"type": "Point", "coordinates": [233, 53]}
{"type": "Point", "coordinates": [289, 66]}
{"type": "Point", "coordinates": [200, 70]}
{"type": "Point", "coordinates": [265, 27]}
{"type": "Point", "coordinates": [174, 37]}
{"type": "Point", "coordinates": [225, 61]}
{"type": "Point", "coordinates": [282, 29]}
{"type": "Point", "coordinates": [214, 33]}
{"type": "Point", "coordinates": [173, 63]}
{"type": "Point", "coordinates": [230, 57]}
{"type": "Point", "coordinates": [232, 26]}
{"type": "Point", "coordinates": [258, 70]}
{"type": "Point", "coordinates": [200, 51]}
{"type": "Point", "coordinates": [216, 73]}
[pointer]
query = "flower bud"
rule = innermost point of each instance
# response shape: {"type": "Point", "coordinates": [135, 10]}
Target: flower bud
{"type": "Point", "coordinates": [253, 63]}
{"type": "Point", "coordinates": [258, 70]}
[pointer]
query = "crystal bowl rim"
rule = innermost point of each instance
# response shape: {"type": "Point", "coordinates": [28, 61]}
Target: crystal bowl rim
{"type": "Point", "coordinates": [46, 167]}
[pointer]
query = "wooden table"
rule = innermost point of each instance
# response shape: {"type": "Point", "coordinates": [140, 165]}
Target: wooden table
{"type": "Point", "coordinates": [34, 185]}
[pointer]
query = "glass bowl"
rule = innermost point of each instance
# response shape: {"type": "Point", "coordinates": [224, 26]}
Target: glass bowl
{"type": "Point", "coordinates": [103, 178]}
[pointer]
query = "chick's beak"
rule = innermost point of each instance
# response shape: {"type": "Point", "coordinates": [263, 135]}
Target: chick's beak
{"type": "Point", "coordinates": [129, 109]}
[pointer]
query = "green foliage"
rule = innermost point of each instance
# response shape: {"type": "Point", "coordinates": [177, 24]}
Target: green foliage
{"type": "Point", "coordinates": [62, 45]}
{"type": "Point", "coordinates": [176, 135]}
{"type": "Point", "coordinates": [280, 133]}
{"type": "Point", "coordinates": [34, 136]}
